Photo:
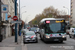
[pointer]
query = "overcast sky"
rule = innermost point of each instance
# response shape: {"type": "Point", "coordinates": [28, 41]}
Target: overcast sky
{"type": "Point", "coordinates": [34, 7]}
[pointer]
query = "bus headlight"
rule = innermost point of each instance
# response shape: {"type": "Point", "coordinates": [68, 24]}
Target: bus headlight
{"type": "Point", "coordinates": [47, 36]}
{"type": "Point", "coordinates": [63, 36]}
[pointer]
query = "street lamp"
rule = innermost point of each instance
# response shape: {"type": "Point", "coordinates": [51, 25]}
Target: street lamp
{"type": "Point", "coordinates": [22, 13]}
{"type": "Point", "coordinates": [68, 13]}
{"type": "Point", "coordinates": [23, 6]}
{"type": "Point", "coordinates": [21, 10]}
{"type": "Point", "coordinates": [26, 18]}
{"type": "Point", "coordinates": [19, 19]}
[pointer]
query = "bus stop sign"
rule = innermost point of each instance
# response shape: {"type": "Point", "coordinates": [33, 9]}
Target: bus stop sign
{"type": "Point", "coordinates": [15, 18]}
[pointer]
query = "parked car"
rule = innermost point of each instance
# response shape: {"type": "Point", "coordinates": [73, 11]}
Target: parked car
{"type": "Point", "coordinates": [38, 30]}
{"type": "Point", "coordinates": [24, 30]}
{"type": "Point", "coordinates": [72, 33]}
{"type": "Point", "coordinates": [30, 36]}
{"type": "Point", "coordinates": [33, 29]}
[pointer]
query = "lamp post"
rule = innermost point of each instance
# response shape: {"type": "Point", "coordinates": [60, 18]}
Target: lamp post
{"type": "Point", "coordinates": [1, 36]}
{"type": "Point", "coordinates": [23, 6]}
{"type": "Point", "coordinates": [26, 18]}
{"type": "Point", "coordinates": [22, 13]}
{"type": "Point", "coordinates": [21, 10]}
{"type": "Point", "coordinates": [20, 27]}
{"type": "Point", "coordinates": [20, 17]}
{"type": "Point", "coordinates": [68, 13]}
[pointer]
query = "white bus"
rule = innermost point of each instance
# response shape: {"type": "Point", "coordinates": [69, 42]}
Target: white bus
{"type": "Point", "coordinates": [53, 29]}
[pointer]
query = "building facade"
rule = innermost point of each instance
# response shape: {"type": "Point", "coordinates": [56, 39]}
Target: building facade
{"type": "Point", "coordinates": [72, 12]}
{"type": "Point", "coordinates": [7, 30]}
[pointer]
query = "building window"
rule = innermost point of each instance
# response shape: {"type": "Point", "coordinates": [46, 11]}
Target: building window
{"type": "Point", "coordinates": [13, 1]}
{"type": "Point", "coordinates": [71, 6]}
{"type": "Point", "coordinates": [71, 2]}
{"type": "Point", "coordinates": [71, 17]}
{"type": "Point", "coordinates": [71, 10]}
{"type": "Point", "coordinates": [71, 13]}
{"type": "Point", "coordinates": [71, 21]}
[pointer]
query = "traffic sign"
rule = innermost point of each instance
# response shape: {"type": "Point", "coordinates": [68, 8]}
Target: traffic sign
{"type": "Point", "coordinates": [4, 8]}
{"type": "Point", "coordinates": [16, 22]}
{"type": "Point", "coordinates": [15, 18]}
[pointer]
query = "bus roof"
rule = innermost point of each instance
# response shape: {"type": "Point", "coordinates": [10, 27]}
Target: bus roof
{"type": "Point", "coordinates": [51, 19]}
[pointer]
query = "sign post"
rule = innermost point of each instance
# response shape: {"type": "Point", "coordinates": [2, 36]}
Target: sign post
{"type": "Point", "coordinates": [16, 20]}
{"type": "Point", "coordinates": [0, 23]}
{"type": "Point", "coordinates": [4, 8]}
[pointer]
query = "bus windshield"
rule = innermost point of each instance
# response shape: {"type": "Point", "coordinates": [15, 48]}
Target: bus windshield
{"type": "Point", "coordinates": [54, 27]}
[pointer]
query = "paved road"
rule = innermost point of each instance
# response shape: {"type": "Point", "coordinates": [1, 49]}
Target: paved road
{"type": "Point", "coordinates": [66, 45]}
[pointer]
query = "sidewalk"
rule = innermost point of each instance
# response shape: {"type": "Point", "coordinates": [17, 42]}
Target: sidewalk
{"type": "Point", "coordinates": [9, 44]}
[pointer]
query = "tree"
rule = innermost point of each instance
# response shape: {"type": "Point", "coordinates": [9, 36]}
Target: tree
{"type": "Point", "coordinates": [49, 12]}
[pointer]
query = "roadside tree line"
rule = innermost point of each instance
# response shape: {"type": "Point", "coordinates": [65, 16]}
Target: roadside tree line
{"type": "Point", "coordinates": [49, 12]}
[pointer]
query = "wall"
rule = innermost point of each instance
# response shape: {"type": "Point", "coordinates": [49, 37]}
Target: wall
{"type": "Point", "coordinates": [73, 12]}
{"type": "Point", "coordinates": [10, 4]}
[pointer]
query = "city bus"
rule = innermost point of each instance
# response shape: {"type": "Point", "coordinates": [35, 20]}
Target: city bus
{"type": "Point", "coordinates": [53, 29]}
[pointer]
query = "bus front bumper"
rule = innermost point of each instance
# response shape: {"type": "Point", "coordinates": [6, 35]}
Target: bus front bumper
{"type": "Point", "coordinates": [55, 39]}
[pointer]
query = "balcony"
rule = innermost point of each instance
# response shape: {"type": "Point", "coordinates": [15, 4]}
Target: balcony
{"type": "Point", "coordinates": [71, 1]}
{"type": "Point", "coordinates": [13, 1]}
{"type": "Point", "coordinates": [71, 13]}
{"type": "Point", "coordinates": [70, 19]}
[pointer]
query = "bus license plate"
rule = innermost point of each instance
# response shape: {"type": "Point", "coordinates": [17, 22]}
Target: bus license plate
{"type": "Point", "coordinates": [56, 39]}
